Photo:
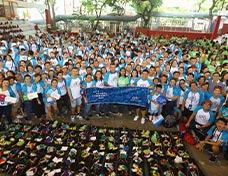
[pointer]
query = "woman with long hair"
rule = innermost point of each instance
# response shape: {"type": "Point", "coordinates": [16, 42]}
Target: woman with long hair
{"type": "Point", "coordinates": [6, 107]}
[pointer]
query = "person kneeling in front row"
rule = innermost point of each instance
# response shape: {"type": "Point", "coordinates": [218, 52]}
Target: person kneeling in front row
{"type": "Point", "coordinates": [215, 140]}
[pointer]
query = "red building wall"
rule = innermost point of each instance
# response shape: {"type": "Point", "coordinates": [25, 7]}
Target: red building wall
{"type": "Point", "coordinates": [188, 34]}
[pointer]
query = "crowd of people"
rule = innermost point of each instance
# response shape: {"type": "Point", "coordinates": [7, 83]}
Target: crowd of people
{"type": "Point", "coordinates": [193, 75]}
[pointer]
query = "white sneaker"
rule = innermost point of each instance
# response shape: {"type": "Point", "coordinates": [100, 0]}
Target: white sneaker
{"type": "Point", "coordinates": [142, 121]}
{"type": "Point", "coordinates": [72, 117]}
{"type": "Point", "coordinates": [136, 118]}
{"type": "Point", "coordinates": [120, 114]}
{"type": "Point", "coordinates": [79, 117]}
{"type": "Point", "coordinates": [19, 116]}
{"type": "Point", "coordinates": [150, 118]}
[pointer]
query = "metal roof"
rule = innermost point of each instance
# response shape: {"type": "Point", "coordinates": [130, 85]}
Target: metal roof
{"type": "Point", "coordinates": [134, 18]}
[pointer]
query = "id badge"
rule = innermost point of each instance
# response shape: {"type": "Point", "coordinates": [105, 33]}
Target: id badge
{"type": "Point", "coordinates": [190, 107]}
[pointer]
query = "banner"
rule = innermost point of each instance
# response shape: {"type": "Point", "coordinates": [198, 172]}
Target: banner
{"type": "Point", "coordinates": [118, 95]}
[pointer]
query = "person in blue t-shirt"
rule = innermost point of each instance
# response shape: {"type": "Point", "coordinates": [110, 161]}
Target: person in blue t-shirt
{"type": "Point", "coordinates": [50, 100]}
{"type": "Point", "coordinates": [5, 107]}
{"type": "Point", "coordinates": [172, 94]}
{"type": "Point", "coordinates": [215, 140]}
{"type": "Point", "coordinates": [154, 109]}
{"type": "Point", "coordinates": [110, 80]}
{"type": "Point", "coordinates": [217, 99]}
{"type": "Point", "coordinates": [87, 83]}
{"type": "Point", "coordinates": [201, 119]}
{"type": "Point", "coordinates": [192, 98]}
{"type": "Point", "coordinates": [27, 89]}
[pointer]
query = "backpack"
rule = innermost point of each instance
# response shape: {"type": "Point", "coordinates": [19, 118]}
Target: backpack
{"type": "Point", "coordinates": [170, 121]}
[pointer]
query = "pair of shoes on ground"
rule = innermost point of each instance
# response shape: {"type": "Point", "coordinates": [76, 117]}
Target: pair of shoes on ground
{"type": "Point", "coordinates": [76, 116]}
{"type": "Point", "coordinates": [142, 119]}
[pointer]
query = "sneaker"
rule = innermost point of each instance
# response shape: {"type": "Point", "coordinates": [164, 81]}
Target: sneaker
{"type": "Point", "coordinates": [136, 118]}
{"type": "Point", "coordinates": [150, 118]}
{"type": "Point", "coordinates": [213, 158]}
{"type": "Point", "coordinates": [79, 117]}
{"type": "Point", "coordinates": [19, 116]}
{"type": "Point", "coordinates": [99, 115]}
{"type": "Point", "coordinates": [72, 117]}
{"type": "Point", "coordinates": [120, 114]}
{"type": "Point", "coordinates": [142, 121]}
{"type": "Point", "coordinates": [107, 116]}
{"type": "Point", "coordinates": [114, 113]}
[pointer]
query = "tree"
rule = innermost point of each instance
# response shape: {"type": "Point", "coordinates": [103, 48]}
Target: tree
{"type": "Point", "coordinates": [199, 5]}
{"type": "Point", "coordinates": [95, 6]}
{"type": "Point", "coordinates": [118, 6]}
{"type": "Point", "coordinates": [145, 9]}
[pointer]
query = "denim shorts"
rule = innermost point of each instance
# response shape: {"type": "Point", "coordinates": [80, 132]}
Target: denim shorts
{"type": "Point", "coordinates": [77, 102]}
{"type": "Point", "coordinates": [51, 103]}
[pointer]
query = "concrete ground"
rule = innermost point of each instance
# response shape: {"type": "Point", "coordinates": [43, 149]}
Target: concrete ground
{"type": "Point", "coordinates": [209, 169]}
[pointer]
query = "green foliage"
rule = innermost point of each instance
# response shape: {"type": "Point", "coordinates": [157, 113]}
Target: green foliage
{"type": "Point", "coordinates": [96, 7]}
{"type": "Point", "coordinates": [145, 9]}
{"type": "Point", "coordinates": [118, 6]}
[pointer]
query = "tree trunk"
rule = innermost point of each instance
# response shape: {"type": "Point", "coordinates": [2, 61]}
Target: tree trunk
{"type": "Point", "coordinates": [49, 10]}
{"type": "Point", "coordinates": [53, 15]}
{"type": "Point", "coordinates": [96, 24]}
{"type": "Point", "coordinates": [146, 22]}
{"type": "Point", "coordinates": [211, 14]}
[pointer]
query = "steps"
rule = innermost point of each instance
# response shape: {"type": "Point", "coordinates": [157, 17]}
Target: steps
{"type": "Point", "coordinates": [26, 26]}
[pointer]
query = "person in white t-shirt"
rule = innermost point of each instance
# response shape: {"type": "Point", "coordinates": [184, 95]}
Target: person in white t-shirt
{"type": "Point", "coordinates": [74, 91]}
{"type": "Point", "coordinates": [64, 99]}
{"type": "Point", "coordinates": [142, 81]}
{"type": "Point", "coordinates": [201, 119]}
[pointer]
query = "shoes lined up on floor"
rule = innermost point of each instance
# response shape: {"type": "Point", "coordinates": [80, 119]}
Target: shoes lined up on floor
{"type": "Point", "coordinates": [68, 149]}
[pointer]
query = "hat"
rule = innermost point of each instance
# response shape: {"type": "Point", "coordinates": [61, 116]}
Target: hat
{"type": "Point", "coordinates": [14, 44]}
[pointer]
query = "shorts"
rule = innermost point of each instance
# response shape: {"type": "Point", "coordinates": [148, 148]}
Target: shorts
{"type": "Point", "coordinates": [76, 102]}
{"type": "Point", "coordinates": [51, 103]}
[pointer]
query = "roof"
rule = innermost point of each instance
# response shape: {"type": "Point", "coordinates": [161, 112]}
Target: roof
{"type": "Point", "coordinates": [134, 18]}
{"type": "Point", "coordinates": [103, 18]}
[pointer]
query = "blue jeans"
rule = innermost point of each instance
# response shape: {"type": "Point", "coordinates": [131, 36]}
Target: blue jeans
{"type": "Point", "coordinates": [87, 109]}
{"type": "Point", "coordinates": [6, 110]}
{"type": "Point", "coordinates": [28, 109]}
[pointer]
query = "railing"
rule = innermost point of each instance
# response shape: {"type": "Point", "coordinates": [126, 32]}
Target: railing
{"type": "Point", "coordinates": [9, 8]}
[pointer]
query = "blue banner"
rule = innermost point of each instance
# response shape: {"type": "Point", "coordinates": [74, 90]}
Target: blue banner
{"type": "Point", "coordinates": [118, 95]}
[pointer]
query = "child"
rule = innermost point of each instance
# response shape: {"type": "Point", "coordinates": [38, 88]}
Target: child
{"type": "Point", "coordinates": [154, 108]}
{"type": "Point", "coordinates": [51, 102]}
{"type": "Point", "coordinates": [216, 137]}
